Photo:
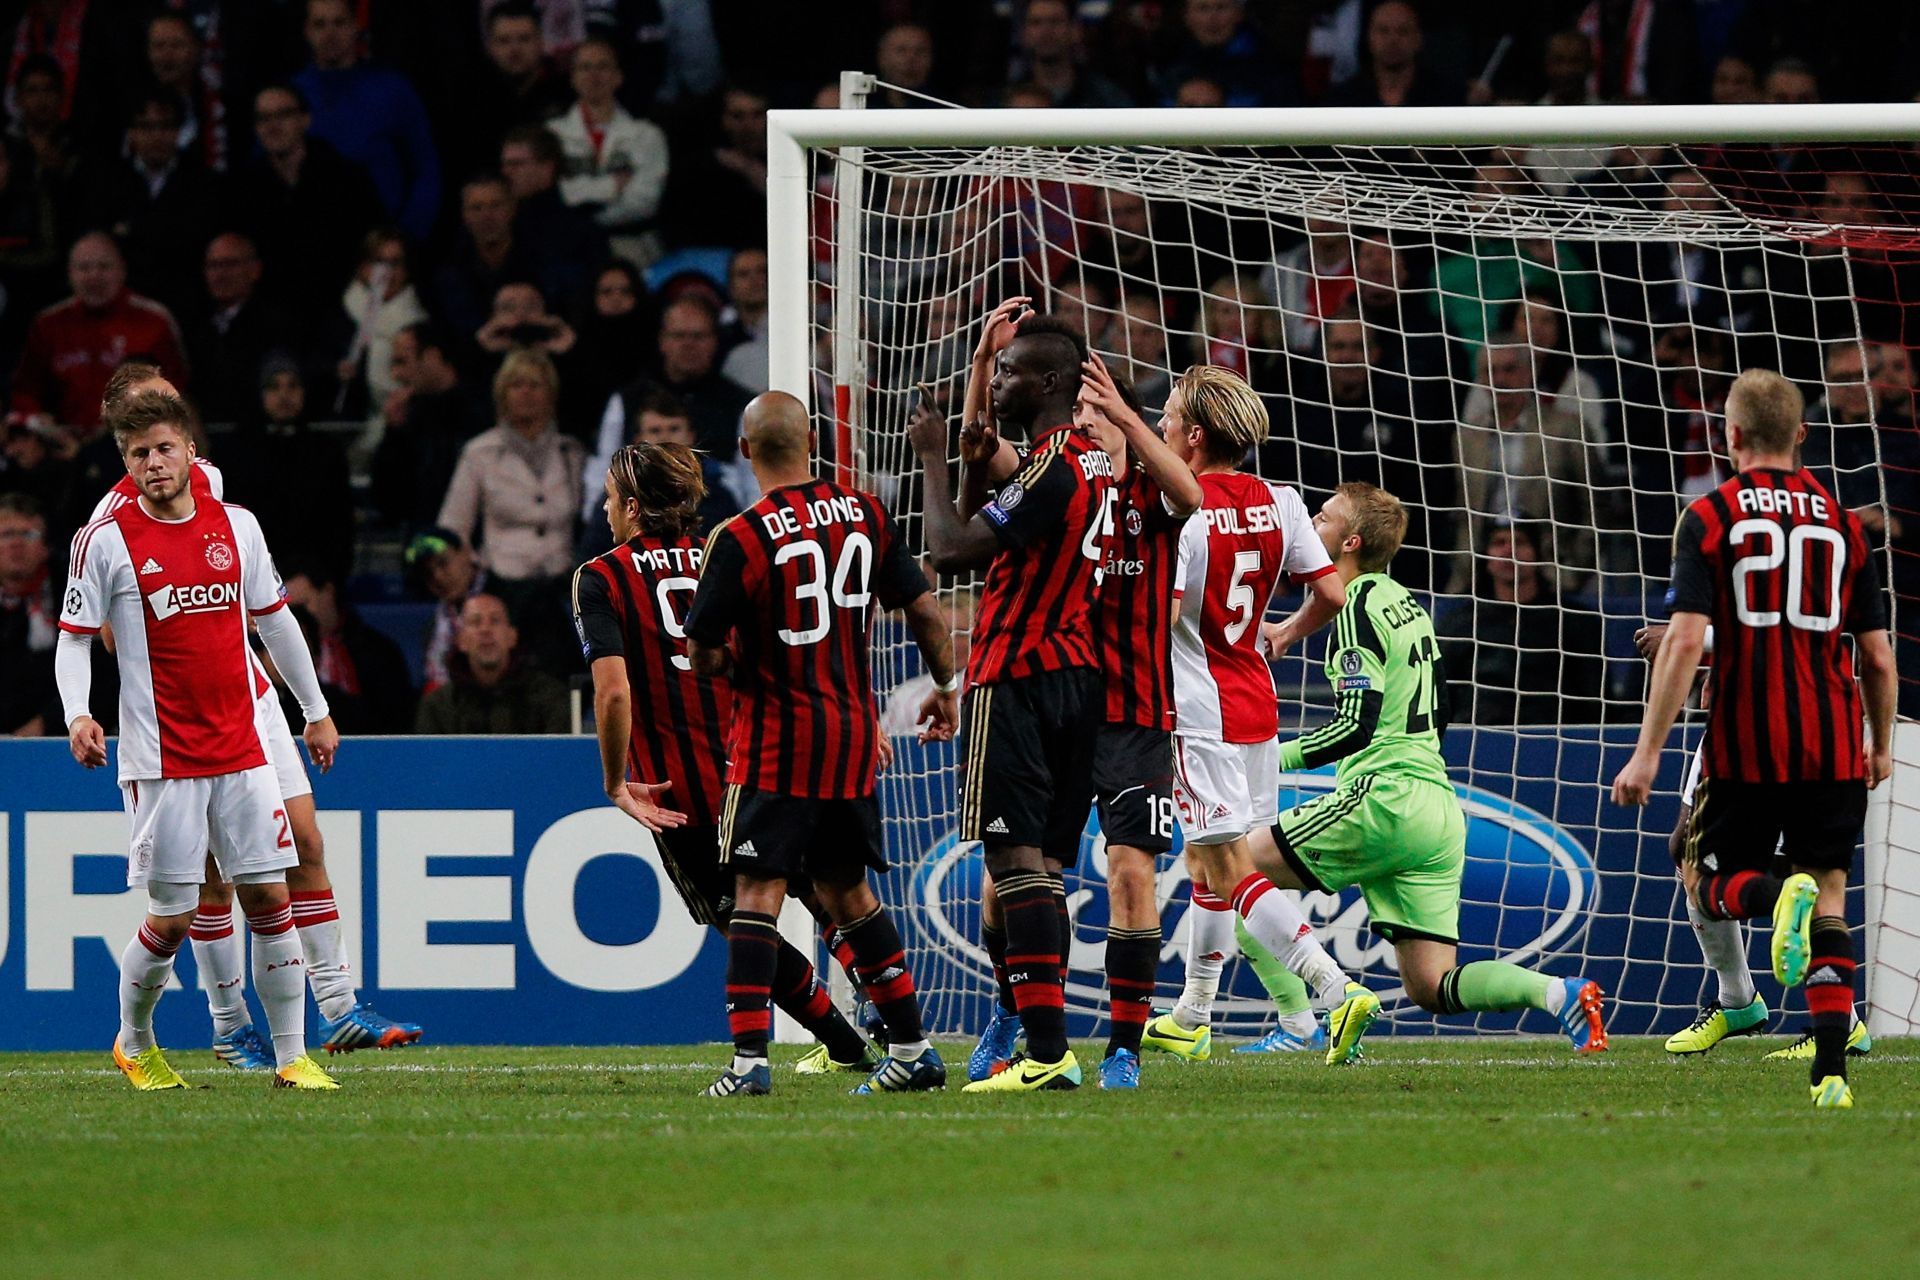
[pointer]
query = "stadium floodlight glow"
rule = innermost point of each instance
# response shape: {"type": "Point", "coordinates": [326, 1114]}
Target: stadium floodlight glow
{"type": "Point", "coordinates": [1534, 309]}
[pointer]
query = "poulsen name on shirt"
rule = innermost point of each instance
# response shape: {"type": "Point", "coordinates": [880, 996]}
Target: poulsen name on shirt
{"type": "Point", "coordinates": [786, 521]}
{"type": "Point", "coordinates": [1264, 518]}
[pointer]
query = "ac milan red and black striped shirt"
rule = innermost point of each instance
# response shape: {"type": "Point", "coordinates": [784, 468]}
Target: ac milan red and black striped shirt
{"type": "Point", "coordinates": [1784, 572]}
{"type": "Point", "coordinates": [1133, 606]}
{"type": "Point", "coordinates": [628, 604]}
{"type": "Point", "coordinates": [1036, 613]}
{"type": "Point", "coordinates": [793, 580]}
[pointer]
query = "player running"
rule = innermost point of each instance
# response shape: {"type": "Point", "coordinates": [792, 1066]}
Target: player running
{"type": "Point", "coordinates": [1034, 697]}
{"type": "Point", "coordinates": [346, 1022]}
{"type": "Point", "coordinates": [657, 719]}
{"type": "Point", "coordinates": [793, 581]}
{"type": "Point", "coordinates": [1246, 534]}
{"type": "Point", "coordinates": [1783, 572]}
{"type": "Point", "coordinates": [178, 575]}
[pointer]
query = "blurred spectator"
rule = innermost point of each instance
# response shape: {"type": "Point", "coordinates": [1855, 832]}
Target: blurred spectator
{"type": "Point", "coordinates": [1734, 82]}
{"type": "Point", "coordinates": [743, 325]}
{"type": "Point", "coordinates": [29, 622]}
{"type": "Point", "coordinates": [520, 320]}
{"type": "Point", "coordinates": [1311, 281]}
{"type": "Point", "coordinates": [234, 332]}
{"type": "Point", "coordinates": [40, 118]}
{"type": "Point", "coordinates": [490, 690]}
{"type": "Point", "coordinates": [429, 418]}
{"type": "Point", "coordinates": [663, 419]}
{"type": "Point", "coordinates": [156, 202]}
{"type": "Point", "coordinates": [719, 197]}
{"type": "Point", "coordinates": [1392, 73]}
{"type": "Point", "coordinates": [1516, 651]}
{"type": "Point", "coordinates": [1524, 459]}
{"type": "Point", "coordinates": [616, 164]}
{"type": "Point", "coordinates": [1234, 324]}
{"type": "Point", "coordinates": [569, 242]}
{"type": "Point", "coordinates": [442, 568]}
{"type": "Point", "coordinates": [614, 329]}
{"type": "Point", "coordinates": [1843, 446]}
{"type": "Point", "coordinates": [486, 256]}
{"type": "Point", "coordinates": [515, 88]}
{"type": "Point", "coordinates": [667, 49]}
{"type": "Point", "coordinates": [1198, 92]}
{"type": "Point", "coordinates": [348, 709]}
{"type": "Point", "coordinates": [903, 56]}
{"type": "Point", "coordinates": [1568, 69]}
{"type": "Point", "coordinates": [73, 348]}
{"type": "Point", "coordinates": [352, 656]}
{"type": "Point", "coordinates": [1217, 43]}
{"type": "Point", "coordinates": [377, 304]}
{"type": "Point", "coordinates": [1137, 347]}
{"type": "Point", "coordinates": [307, 207]}
{"type": "Point", "coordinates": [1671, 425]}
{"type": "Point", "coordinates": [290, 476]}
{"type": "Point", "coordinates": [85, 42]}
{"type": "Point", "coordinates": [1051, 56]}
{"type": "Point", "coordinates": [1649, 284]}
{"type": "Point", "coordinates": [515, 496]}
{"type": "Point", "coordinates": [688, 345]}
{"type": "Point", "coordinates": [176, 69]}
{"type": "Point", "coordinates": [37, 460]}
{"type": "Point", "coordinates": [372, 116]}
{"type": "Point", "coordinates": [1475, 285]}
{"type": "Point", "coordinates": [1404, 328]}
{"type": "Point", "coordinates": [1122, 254]}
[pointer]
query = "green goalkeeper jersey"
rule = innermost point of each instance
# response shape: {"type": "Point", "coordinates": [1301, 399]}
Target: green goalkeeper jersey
{"type": "Point", "coordinates": [1389, 687]}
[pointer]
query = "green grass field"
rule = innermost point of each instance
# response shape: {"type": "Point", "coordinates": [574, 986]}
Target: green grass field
{"type": "Point", "coordinates": [1489, 1158]}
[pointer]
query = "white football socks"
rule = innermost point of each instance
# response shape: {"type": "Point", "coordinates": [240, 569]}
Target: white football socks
{"type": "Point", "coordinates": [1726, 954]}
{"type": "Point", "coordinates": [1210, 945]}
{"type": "Point", "coordinates": [1277, 924]}
{"type": "Point", "coordinates": [279, 978]}
{"type": "Point", "coordinates": [318, 920]}
{"type": "Point", "coordinates": [145, 966]}
{"type": "Point", "coordinates": [216, 953]}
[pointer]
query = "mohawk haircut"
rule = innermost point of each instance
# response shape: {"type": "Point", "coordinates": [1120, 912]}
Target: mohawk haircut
{"type": "Point", "coordinates": [1066, 336]}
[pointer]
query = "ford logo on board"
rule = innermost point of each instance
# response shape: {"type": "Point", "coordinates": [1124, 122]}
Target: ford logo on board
{"type": "Point", "coordinates": [1528, 891]}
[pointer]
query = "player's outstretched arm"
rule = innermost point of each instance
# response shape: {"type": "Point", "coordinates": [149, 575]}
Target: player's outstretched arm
{"type": "Point", "coordinates": [1175, 478]}
{"type": "Point", "coordinates": [953, 544]}
{"type": "Point", "coordinates": [986, 460]}
{"type": "Point", "coordinates": [73, 676]}
{"type": "Point", "coordinates": [1673, 672]}
{"type": "Point", "coordinates": [288, 648]}
{"type": "Point", "coordinates": [1326, 595]}
{"type": "Point", "coordinates": [1881, 684]}
{"type": "Point", "coordinates": [940, 714]}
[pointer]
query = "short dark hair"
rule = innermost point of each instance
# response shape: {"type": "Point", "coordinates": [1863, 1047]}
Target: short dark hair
{"type": "Point", "coordinates": [1067, 340]}
{"type": "Point", "coordinates": [130, 374]}
{"type": "Point", "coordinates": [662, 402]}
{"type": "Point", "coordinates": [177, 18]}
{"type": "Point", "coordinates": [488, 178]}
{"type": "Point", "coordinates": [24, 505]}
{"type": "Point", "coordinates": [538, 139]}
{"type": "Point", "coordinates": [155, 98]}
{"type": "Point", "coordinates": [512, 9]}
{"type": "Point", "coordinates": [289, 88]}
{"type": "Point", "coordinates": [145, 411]}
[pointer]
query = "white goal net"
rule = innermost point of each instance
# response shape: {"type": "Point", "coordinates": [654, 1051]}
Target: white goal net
{"type": "Point", "coordinates": [1529, 345]}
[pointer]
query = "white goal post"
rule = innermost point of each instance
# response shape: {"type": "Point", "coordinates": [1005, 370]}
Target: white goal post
{"type": "Point", "coordinates": [834, 177]}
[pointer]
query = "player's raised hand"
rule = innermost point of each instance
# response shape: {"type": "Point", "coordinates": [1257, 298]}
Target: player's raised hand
{"type": "Point", "coordinates": [88, 742]}
{"type": "Point", "coordinates": [641, 802]}
{"type": "Point", "coordinates": [939, 716]}
{"type": "Point", "coordinates": [1647, 640]}
{"type": "Point", "coordinates": [323, 741]}
{"type": "Point", "coordinates": [927, 427]}
{"type": "Point", "coordinates": [1635, 782]}
{"type": "Point", "coordinates": [979, 439]}
{"type": "Point", "coordinates": [1104, 395]}
{"type": "Point", "coordinates": [1002, 322]}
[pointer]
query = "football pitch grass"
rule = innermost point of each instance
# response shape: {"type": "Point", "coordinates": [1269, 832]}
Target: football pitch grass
{"type": "Point", "coordinates": [1467, 1157]}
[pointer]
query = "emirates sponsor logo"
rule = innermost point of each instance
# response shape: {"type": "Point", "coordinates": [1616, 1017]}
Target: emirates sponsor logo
{"type": "Point", "coordinates": [198, 597]}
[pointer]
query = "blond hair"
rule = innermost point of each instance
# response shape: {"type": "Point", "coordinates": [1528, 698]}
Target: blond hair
{"type": "Point", "coordinates": [1768, 408]}
{"type": "Point", "coordinates": [523, 362]}
{"type": "Point", "coordinates": [1221, 404]}
{"type": "Point", "coordinates": [1378, 519]}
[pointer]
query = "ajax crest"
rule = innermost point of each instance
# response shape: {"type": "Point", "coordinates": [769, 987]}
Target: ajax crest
{"type": "Point", "coordinates": [220, 556]}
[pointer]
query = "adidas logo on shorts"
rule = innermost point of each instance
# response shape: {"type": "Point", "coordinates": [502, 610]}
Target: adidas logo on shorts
{"type": "Point", "coordinates": [745, 850]}
{"type": "Point", "coordinates": [998, 827]}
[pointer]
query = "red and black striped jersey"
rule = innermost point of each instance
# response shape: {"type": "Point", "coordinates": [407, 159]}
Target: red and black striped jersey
{"type": "Point", "coordinates": [1036, 613]}
{"type": "Point", "coordinates": [629, 603]}
{"type": "Point", "coordinates": [792, 581]}
{"type": "Point", "coordinates": [1133, 605]}
{"type": "Point", "coordinates": [1784, 572]}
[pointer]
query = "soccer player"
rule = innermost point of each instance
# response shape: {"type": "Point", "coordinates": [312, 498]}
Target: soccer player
{"type": "Point", "coordinates": [346, 1022]}
{"type": "Point", "coordinates": [1226, 748]}
{"type": "Point", "coordinates": [1035, 699]}
{"type": "Point", "coordinates": [792, 581]}
{"type": "Point", "coordinates": [656, 718]}
{"type": "Point", "coordinates": [178, 575]}
{"type": "Point", "coordinates": [1783, 572]}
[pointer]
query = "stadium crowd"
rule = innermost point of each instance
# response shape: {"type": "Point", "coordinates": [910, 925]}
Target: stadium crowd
{"type": "Point", "coordinates": [423, 265]}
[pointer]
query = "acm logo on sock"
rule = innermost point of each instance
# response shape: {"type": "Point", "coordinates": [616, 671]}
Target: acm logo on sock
{"type": "Point", "coordinates": [1529, 889]}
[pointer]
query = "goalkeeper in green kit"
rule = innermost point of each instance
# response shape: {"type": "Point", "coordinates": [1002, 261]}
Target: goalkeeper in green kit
{"type": "Point", "coordinates": [1392, 825]}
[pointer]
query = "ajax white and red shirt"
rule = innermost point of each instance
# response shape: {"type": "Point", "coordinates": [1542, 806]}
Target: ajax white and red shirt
{"type": "Point", "coordinates": [178, 594]}
{"type": "Point", "coordinates": [1232, 552]}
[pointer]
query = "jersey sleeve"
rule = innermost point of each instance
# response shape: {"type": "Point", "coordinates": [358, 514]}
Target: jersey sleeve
{"type": "Point", "coordinates": [1035, 501]}
{"type": "Point", "coordinates": [1867, 604]}
{"type": "Point", "coordinates": [260, 585]}
{"type": "Point", "coordinates": [1693, 587]}
{"type": "Point", "coordinates": [83, 610]}
{"type": "Point", "coordinates": [721, 601]}
{"type": "Point", "coordinates": [594, 619]}
{"type": "Point", "coordinates": [897, 580]}
{"type": "Point", "coordinates": [1305, 557]}
{"type": "Point", "coordinates": [1357, 670]}
{"type": "Point", "coordinates": [1192, 541]}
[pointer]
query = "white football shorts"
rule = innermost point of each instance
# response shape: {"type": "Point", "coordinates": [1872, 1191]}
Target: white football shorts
{"type": "Point", "coordinates": [175, 822]}
{"type": "Point", "coordinates": [1225, 789]}
{"type": "Point", "coordinates": [282, 752]}
{"type": "Point", "coordinates": [1692, 784]}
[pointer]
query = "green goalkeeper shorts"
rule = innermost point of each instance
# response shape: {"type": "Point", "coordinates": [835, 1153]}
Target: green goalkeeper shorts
{"type": "Point", "coordinates": [1403, 841]}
